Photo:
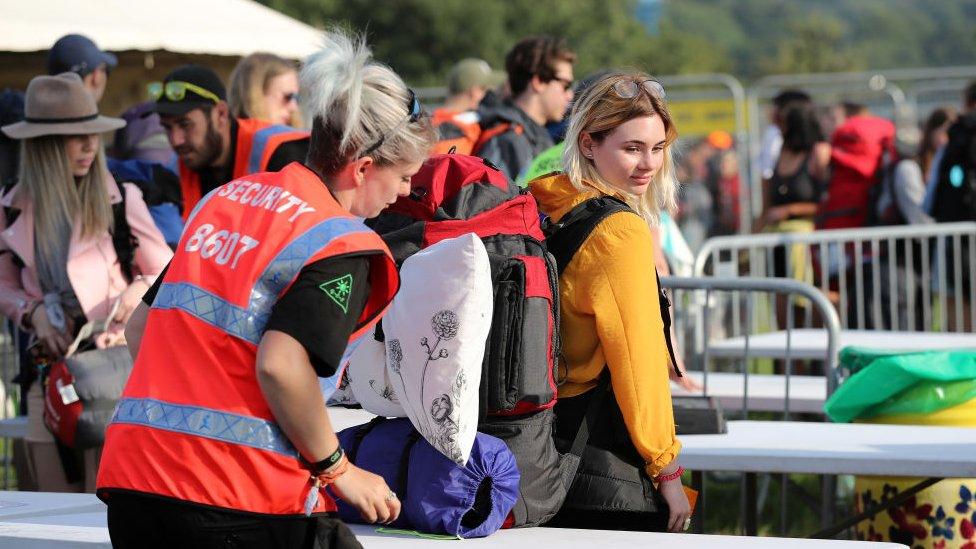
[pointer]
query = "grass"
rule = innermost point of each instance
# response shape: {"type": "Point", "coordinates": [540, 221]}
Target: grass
{"type": "Point", "coordinates": [724, 504]}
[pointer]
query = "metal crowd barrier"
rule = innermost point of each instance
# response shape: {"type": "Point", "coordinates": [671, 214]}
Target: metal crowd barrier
{"type": "Point", "coordinates": [9, 366]}
{"type": "Point", "coordinates": [915, 278]}
{"type": "Point", "coordinates": [709, 314]}
{"type": "Point", "coordinates": [707, 310]}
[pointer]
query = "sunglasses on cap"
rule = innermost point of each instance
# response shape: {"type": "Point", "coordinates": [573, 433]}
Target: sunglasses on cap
{"type": "Point", "coordinates": [415, 112]}
{"type": "Point", "coordinates": [175, 91]}
{"type": "Point", "coordinates": [629, 89]}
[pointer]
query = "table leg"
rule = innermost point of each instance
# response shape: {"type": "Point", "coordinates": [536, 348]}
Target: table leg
{"type": "Point", "coordinates": [898, 499]}
{"type": "Point", "coordinates": [828, 501]}
{"type": "Point", "coordinates": [751, 504]}
{"type": "Point", "coordinates": [698, 517]}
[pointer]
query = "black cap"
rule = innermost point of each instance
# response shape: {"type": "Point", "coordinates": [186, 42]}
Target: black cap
{"type": "Point", "coordinates": [201, 77]}
{"type": "Point", "coordinates": [78, 54]}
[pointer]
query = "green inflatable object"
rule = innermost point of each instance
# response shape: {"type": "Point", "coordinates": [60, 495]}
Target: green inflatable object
{"type": "Point", "coordinates": [548, 161]}
{"type": "Point", "coordinates": [885, 383]}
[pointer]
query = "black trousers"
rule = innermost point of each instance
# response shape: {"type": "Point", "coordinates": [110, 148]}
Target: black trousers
{"type": "Point", "coordinates": [609, 493]}
{"type": "Point", "coordinates": [138, 521]}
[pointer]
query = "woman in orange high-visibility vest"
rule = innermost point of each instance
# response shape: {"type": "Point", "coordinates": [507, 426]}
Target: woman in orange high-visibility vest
{"type": "Point", "coordinates": [222, 437]}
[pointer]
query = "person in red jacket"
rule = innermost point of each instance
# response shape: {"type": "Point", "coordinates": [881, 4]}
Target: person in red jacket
{"type": "Point", "coordinates": [858, 148]}
{"type": "Point", "coordinates": [214, 147]}
{"type": "Point", "coordinates": [221, 437]}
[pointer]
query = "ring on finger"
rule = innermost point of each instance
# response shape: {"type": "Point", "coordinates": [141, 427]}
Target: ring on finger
{"type": "Point", "coordinates": [391, 496]}
{"type": "Point", "coordinates": [686, 525]}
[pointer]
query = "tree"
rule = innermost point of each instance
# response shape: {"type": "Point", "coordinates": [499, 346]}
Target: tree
{"type": "Point", "coordinates": [421, 39]}
{"type": "Point", "coordinates": [815, 45]}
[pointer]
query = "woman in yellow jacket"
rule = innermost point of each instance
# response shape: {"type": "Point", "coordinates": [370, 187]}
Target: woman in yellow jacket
{"type": "Point", "coordinates": [618, 144]}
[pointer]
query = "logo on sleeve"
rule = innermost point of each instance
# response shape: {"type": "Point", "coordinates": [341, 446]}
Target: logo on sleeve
{"type": "Point", "coordinates": [339, 289]}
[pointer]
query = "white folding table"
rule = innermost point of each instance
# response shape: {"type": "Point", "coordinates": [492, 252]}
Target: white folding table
{"type": "Point", "coordinates": [88, 530]}
{"type": "Point", "coordinates": [766, 393]}
{"type": "Point", "coordinates": [807, 393]}
{"type": "Point", "coordinates": [832, 449]}
{"type": "Point", "coordinates": [811, 343]}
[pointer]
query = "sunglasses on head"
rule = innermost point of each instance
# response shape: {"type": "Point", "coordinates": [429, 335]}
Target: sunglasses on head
{"type": "Point", "coordinates": [629, 89]}
{"type": "Point", "coordinates": [414, 110]}
{"type": "Point", "coordinates": [175, 90]}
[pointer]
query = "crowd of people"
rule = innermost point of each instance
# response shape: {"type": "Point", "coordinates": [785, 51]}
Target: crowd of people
{"type": "Point", "coordinates": [136, 234]}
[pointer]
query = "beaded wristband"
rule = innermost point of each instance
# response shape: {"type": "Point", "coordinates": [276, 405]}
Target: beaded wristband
{"type": "Point", "coordinates": [670, 476]}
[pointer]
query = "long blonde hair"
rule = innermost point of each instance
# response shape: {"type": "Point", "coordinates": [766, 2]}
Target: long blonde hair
{"type": "Point", "coordinates": [59, 203]}
{"type": "Point", "coordinates": [599, 111]}
{"type": "Point", "coordinates": [249, 82]}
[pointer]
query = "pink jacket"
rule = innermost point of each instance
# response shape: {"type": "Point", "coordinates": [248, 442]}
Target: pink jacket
{"type": "Point", "coordinates": [92, 264]}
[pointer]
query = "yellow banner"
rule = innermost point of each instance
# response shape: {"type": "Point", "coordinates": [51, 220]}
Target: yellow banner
{"type": "Point", "coordinates": [699, 118]}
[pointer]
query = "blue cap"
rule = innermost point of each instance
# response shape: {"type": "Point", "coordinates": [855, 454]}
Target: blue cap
{"type": "Point", "coordinates": [78, 54]}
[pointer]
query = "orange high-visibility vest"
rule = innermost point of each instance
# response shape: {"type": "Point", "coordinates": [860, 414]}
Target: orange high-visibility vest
{"type": "Point", "coordinates": [193, 423]}
{"type": "Point", "coordinates": [455, 130]}
{"type": "Point", "coordinates": [256, 142]}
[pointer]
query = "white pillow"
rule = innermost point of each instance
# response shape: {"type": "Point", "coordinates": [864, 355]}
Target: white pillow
{"type": "Point", "coordinates": [436, 330]}
{"type": "Point", "coordinates": [334, 395]}
{"type": "Point", "coordinates": [367, 378]}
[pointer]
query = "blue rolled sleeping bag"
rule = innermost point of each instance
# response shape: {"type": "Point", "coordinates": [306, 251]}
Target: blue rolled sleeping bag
{"type": "Point", "coordinates": [437, 495]}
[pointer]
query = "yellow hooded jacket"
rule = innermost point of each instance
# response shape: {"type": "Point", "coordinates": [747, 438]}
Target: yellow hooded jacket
{"type": "Point", "coordinates": [610, 315]}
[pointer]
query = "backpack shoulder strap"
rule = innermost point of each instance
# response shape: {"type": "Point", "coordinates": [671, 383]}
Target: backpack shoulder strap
{"type": "Point", "coordinates": [666, 318]}
{"type": "Point", "coordinates": [490, 133]}
{"type": "Point", "coordinates": [124, 242]}
{"type": "Point", "coordinates": [573, 458]}
{"type": "Point", "coordinates": [565, 237]}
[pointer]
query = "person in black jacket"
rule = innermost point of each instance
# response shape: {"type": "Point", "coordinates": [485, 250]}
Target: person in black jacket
{"type": "Point", "coordinates": [540, 75]}
{"type": "Point", "coordinates": [955, 200]}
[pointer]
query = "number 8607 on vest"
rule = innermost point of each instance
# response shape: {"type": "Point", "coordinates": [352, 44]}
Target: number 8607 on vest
{"type": "Point", "coordinates": [220, 245]}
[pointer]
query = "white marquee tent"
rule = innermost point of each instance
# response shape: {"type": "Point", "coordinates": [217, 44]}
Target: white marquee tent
{"type": "Point", "coordinates": [215, 27]}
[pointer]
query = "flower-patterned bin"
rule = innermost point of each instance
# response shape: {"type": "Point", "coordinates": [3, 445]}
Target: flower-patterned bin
{"type": "Point", "coordinates": [943, 516]}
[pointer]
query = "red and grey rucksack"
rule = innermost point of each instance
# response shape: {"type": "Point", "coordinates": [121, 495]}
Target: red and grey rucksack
{"type": "Point", "coordinates": [456, 194]}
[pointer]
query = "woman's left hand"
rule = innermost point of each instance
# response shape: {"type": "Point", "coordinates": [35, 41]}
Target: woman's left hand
{"type": "Point", "coordinates": [686, 382]}
{"type": "Point", "coordinates": [680, 510]}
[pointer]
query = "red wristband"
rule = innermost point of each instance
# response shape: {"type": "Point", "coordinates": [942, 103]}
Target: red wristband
{"type": "Point", "coordinates": [329, 476]}
{"type": "Point", "coordinates": [670, 476]}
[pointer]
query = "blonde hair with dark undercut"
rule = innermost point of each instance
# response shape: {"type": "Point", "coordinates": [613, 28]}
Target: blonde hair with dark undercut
{"type": "Point", "coordinates": [598, 112]}
{"type": "Point", "coordinates": [353, 102]}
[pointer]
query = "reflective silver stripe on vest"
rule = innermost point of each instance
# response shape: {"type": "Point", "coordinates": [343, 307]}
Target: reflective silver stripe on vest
{"type": "Point", "coordinates": [260, 142]}
{"type": "Point", "coordinates": [204, 422]}
{"type": "Point", "coordinates": [213, 310]}
{"type": "Point", "coordinates": [248, 324]}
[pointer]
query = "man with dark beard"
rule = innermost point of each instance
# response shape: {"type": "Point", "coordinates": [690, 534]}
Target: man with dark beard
{"type": "Point", "coordinates": [212, 146]}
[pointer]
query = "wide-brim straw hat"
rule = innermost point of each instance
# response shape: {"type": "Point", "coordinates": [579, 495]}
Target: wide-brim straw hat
{"type": "Point", "coordinates": [60, 105]}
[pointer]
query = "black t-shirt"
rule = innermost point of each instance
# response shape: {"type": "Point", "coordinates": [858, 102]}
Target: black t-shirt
{"type": "Point", "coordinates": [320, 310]}
{"type": "Point", "coordinates": [286, 153]}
